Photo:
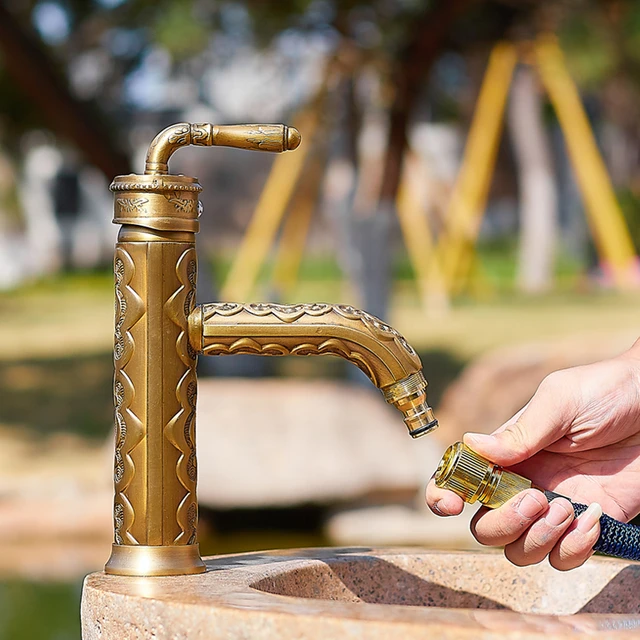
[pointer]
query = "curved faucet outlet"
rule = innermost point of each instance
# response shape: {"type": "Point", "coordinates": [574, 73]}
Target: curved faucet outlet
{"type": "Point", "coordinates": [389, 361]}
{"type": "Point", "coordinates": [159, 332]}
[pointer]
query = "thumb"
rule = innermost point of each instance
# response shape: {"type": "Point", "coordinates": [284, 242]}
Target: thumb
{"type": "Point", "coordinates": [542, 422]}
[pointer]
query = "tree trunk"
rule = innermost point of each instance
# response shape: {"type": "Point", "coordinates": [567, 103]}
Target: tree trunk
{"type": "Point", "coordinates": [538, 197]}
{"type": "Point", "coordinates": [414, 63]}
{"type": "Point", "coordinates": [32, 70]}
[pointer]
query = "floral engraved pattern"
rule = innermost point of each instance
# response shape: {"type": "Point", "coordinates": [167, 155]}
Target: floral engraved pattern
{"type": "Point", "coordinates": [190, 301]}
{"type": "Point", "coordinates": [180, 135]}
{"type": "Point", "coordinates": [132, 205]}
{"type": "Point", "coordinates": [192, 519]}
{"type": "Point", "coordinates": [121, 430]}
{"type": "Point", "coordinates": [201, 134]}
{"type": "Point", "coordinates": [183, 205]}
{"type": "Point", "coordinates": [381, 329]}
{"type": "Point", "coordinates": [332, 346]}
{"type": "Point", "coordinates": [180, 429]}
{"type": "Point", "coordinates": [121, 310]}
{"type": "Point", "coordinates": [118, 518]}
{"type": "Point", "coordinates": [284, 312]}
{"type": "Point", "coordinates": [192, 468]}
{"type": "Point", "coordinates": [129, 432]}
{"type": "Point", "coordinates": [291, 312]}
{"type": "Point", "coordinates": [163, 183]}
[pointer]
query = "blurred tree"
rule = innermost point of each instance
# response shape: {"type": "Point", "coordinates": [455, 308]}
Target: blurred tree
{"type": "Point", "coordinates": [32, 71]}
{"type": "Point", "coordinates": [538, 197]}
{"type": "Point", "coordinates": [82, 68]}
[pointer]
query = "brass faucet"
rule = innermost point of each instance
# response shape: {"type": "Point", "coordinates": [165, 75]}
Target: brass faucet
{"type": "Point", "coordinates": [160, 331]}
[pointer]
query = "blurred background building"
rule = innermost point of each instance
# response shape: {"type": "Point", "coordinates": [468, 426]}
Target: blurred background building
{"type": "Point", "coordinates": [469, 172]}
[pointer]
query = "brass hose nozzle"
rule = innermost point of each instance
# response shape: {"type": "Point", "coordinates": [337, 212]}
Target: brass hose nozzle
{"type": "Point", "coordinates": [475, 478]}
{"type": "Point", "coordinates": [409, 396]}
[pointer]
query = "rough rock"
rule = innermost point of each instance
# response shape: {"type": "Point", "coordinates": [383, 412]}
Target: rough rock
{"type": "Point", "coordinates": [397, 524]}
{"type": "Point", "coordinates": [56, 500]}
{"type": "Point", "coordinates": [54, 489]}
{"type": "Point", "coordinates": [499, 383]}
{"type": "Point", "coordinates": [285, 442]}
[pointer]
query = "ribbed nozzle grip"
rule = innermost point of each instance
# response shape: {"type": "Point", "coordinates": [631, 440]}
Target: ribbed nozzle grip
{"type": "Point", "coordinates": [473, 477]}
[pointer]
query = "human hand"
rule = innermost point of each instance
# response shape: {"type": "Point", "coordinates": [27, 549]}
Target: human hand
{"type": "Point", "coordinates": [578, 436]}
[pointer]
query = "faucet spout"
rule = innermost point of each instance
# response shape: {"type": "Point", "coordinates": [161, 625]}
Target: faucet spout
{"type": "Point", "coordinates": [320, 329]}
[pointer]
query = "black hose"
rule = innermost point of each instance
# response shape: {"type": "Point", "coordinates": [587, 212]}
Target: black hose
{"type": "Point", "coordinates": [617, 539]}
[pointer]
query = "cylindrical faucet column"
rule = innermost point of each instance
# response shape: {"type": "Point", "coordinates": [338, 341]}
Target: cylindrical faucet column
{"type": "Point", "coordinates": [155, 508]}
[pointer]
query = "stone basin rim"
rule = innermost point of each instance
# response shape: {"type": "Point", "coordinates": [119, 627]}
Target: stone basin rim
{"type": "Point", "coordinates": [343, 586]}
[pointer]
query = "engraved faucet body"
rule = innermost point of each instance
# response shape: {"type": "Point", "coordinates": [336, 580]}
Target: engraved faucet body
{"type": "Point", "coordinates": [159, 332]}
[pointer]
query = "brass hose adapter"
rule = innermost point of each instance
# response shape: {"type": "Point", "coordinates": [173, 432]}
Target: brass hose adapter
{"type": "Point", "coordinates": [475, 478]}
{"type": "Point", "coordinates": [409, 396]}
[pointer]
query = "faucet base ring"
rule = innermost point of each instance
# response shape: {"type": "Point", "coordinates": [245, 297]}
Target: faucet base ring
{"type": "Point", "coordinates": [158, 560]}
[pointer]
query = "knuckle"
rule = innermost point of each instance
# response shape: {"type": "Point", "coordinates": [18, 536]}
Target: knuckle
{"type": "Point", "coordinates": [517, 433]}
{"type": "Point", "coordinates": [477, 534]}
{"type": "Point", "coordinates": [482, 530]}
{"type": "Point", "coordinates": [557, 563]}
{"type": "Point", "coordinates": [498, 527]}
{"type": "Point", "coordinates": [552, 381]}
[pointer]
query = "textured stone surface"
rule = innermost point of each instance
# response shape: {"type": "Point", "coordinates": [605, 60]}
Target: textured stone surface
{"type": "Point", "coordinates": [498, 384]}
{"type": "Point", "coordinates": [285, 442]}
{"type": "Point", "coordinates": [365, 593]}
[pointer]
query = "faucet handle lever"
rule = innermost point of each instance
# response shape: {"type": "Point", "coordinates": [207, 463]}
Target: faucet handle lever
{"type": "Point", "coordinates": [254, 137]}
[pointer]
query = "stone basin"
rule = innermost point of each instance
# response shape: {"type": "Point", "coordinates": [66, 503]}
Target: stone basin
{"type": "Point", "coordinates": [367, 593]}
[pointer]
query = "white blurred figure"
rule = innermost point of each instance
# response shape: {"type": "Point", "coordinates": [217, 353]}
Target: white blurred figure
{"type": "Point", "coordinates": [67, 213]}
{"type": "Point", "coordinates": [93, 234]}
{"type": "Point", "coordinates": [42, 232]}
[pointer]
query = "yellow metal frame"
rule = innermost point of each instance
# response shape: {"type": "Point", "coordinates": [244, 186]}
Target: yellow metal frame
{"type": "Point", "coordinates": [268, 215]}
{"type": "Point", "coordinates": [469, 197]}
{"type": "Point", "coordinates": [443, 267]}
{"type": "Point", "coordinates": [273, 203]}
{"type": "Point", "coordinates": [604, 215]}
{"type": "Point", "coordinates": [296, 227]}
{"type": "Point", "coordinates": [419, 239]}
{"type": "Point", "coordinates": [455, 249]}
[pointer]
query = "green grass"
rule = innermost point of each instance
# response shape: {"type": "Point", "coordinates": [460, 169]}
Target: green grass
{"type": "Point", "coordinates": [48, 395]}
{"type": "Point", "coordinates": [39, 611]}
{"type": "Point", "coordinates": [100, 280]}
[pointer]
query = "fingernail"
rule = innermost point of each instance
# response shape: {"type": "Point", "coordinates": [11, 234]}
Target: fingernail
{"type": "Point", "coordinates": [529, 506]}
{"type": "Point", "coordinates": [556, 515]}
{"type": "Point", "coordinates": [436, 508]}
{"type": "Point", "coordinates": [589, 519]}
